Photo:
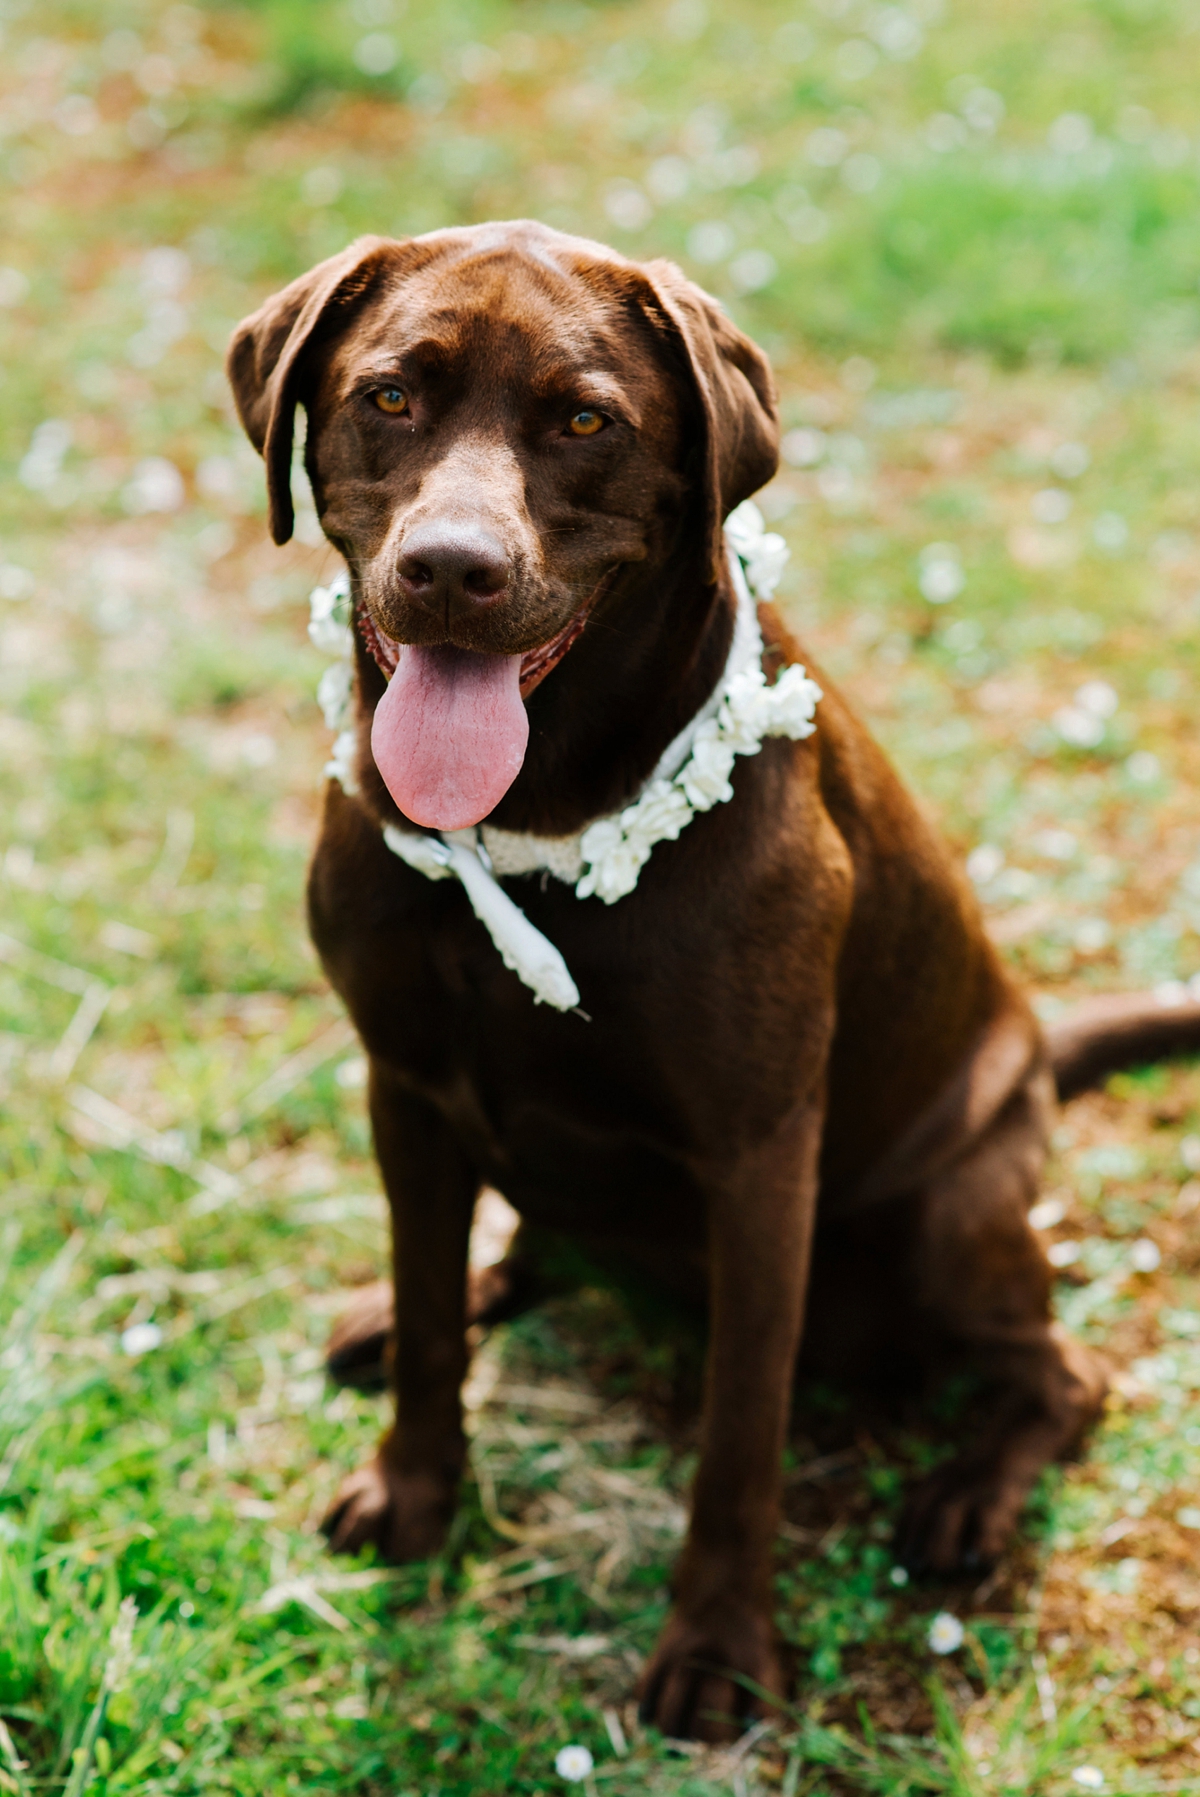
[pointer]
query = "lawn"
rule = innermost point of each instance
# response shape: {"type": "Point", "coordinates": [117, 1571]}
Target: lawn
{"type": "Point", "coordinates": [968, 236]}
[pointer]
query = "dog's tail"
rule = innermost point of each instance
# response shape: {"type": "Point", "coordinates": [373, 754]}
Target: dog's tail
{"type": "Point", "coordinates": [1123, 1029]}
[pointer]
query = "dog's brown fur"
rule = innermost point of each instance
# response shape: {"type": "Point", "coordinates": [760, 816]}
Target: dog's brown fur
{"type": "Point", "coordinates": [797, 1008]}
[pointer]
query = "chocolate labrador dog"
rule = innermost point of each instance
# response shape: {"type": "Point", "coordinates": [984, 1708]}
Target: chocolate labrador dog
{"type": "Point", "coordinates": [525, 447]}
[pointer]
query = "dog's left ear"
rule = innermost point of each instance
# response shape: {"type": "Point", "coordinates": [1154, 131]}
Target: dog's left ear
{"type": "Point", "coordinates": [736, 390]}
{"type": "Point", "coordinates": [267, 351]}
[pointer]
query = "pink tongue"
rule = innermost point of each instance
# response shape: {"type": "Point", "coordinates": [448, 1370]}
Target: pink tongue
{"type": "Point", "coordinates": [449, 734]}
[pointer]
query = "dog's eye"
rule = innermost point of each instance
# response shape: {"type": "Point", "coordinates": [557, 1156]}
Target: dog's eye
{"type": "Point", "coordinates": [391, 400]}
{"type": "Point", "coordinates": [586, 423]}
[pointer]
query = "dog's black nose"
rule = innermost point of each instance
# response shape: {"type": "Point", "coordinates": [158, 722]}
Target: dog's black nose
{"type": "Point", "coordinates": [452, 569]}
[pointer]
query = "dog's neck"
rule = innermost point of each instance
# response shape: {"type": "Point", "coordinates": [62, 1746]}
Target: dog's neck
{"type": "Point", "coordinates": [649, 658]}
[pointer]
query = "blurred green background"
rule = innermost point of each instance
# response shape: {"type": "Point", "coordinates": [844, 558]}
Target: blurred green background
{"type": "Point", "coordinates": [968, 237]}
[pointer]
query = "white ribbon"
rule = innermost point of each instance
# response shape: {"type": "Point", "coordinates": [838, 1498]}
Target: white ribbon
{"type": "Point", "coordinates": [605, 859]}
{"type": "Point", "coordinates": [530, 955]}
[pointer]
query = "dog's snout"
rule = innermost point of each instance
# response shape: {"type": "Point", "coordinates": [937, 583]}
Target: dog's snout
{"type": "Point", "coordinates": [452, 570]}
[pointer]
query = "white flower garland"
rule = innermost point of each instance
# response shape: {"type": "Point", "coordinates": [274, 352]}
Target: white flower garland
{"type": "Point", "coordinates": [604, 860]}
{"type": "Point", "coordinates": [331, 630]}
{"type": "Point", "coordinates": [615, 849]}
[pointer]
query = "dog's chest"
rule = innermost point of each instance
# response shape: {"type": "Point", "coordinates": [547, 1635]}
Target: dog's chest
{"type": "Point", "coordinates": [582, 1139]}
{"type": "Point", "coordinates": [600, 1180]}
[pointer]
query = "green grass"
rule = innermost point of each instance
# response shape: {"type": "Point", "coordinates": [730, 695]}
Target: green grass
{"type": "Point", "coordinates": [967, 235]}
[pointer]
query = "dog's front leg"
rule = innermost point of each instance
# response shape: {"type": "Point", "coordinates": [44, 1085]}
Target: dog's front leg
{"type": "Point", "coordinates": [720, 1630]}
{"type": "Point", "coordinates": [403, 1499]}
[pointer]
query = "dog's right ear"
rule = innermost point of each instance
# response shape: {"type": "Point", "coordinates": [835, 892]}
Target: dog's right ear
{"type": "Point", "coordinates": [266, 354]}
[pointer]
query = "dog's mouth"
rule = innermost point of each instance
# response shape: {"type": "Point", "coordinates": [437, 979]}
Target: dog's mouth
{"type": "Point", "coordinates": [449, 734]}
{"type": "Point", "coordinates": [535, 663]}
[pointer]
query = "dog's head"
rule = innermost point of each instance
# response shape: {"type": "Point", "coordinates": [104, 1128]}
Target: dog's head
{"type": "Point", "coordinates": [499, 419]}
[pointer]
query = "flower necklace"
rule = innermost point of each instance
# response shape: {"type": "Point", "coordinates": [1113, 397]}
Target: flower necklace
{"type": "Point", "coordinates": [605, 859]}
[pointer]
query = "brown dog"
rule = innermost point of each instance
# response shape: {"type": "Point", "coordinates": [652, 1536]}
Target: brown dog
{"type": "Point", "coordinates": [525, 446]}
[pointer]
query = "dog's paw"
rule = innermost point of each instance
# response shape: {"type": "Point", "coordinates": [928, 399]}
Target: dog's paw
{"type": "Point", "coordinates": [359, 1351]}
{"type": "Point", "coordinates": [404, 1515]}
{"type": "Point", "coordinates": [706, 1676]}
{"type": "Point", "coordinates": [490, 1293]}
{"type": "Point", "coordinates": [360, 1341]}
{"type": "Point", "coordinates": [959, 1521]}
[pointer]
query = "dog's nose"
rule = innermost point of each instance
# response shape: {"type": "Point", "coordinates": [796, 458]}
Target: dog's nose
{"type": "Point", "coordinates": [452, 570]}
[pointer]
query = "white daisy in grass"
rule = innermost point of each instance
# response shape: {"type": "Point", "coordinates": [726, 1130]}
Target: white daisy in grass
{"type": "Point", "coordinates": [574, 1764]}
{"type": "Point", "coordinates": [940, 575]}
{"type": "Point", "coordinates": [141, 1338]}
{"type": "Point", "coordinates": [1145, 1256]}
{"type": "Point", "coordinates": [945, 1633]}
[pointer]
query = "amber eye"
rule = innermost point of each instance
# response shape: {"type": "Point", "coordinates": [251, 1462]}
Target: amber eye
{"type": "Point", "coordinates": [391, 400]}
{"type": "Point", "coordinates": [587, 423]}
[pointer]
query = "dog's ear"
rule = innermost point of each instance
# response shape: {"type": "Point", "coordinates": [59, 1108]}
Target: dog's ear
{"type": "Point", "coordinates": [737, 395]}
{"type": "Point", "coordinates": [266, 356]}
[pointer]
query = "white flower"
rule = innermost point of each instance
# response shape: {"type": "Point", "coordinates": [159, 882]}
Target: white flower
{"type": "Point", "coordinates": [329, 617]}
{"type": "Point", "coordinates": [710, 241]}
{"type": "Point", "coordinates": [627, 206]}
{"type": "Point", "coordinates": [791, 704]}
{"type": "Point", "coordinates": [141, 1338]}
{"type": "Point", "coordinates": [764, 551]}
{"type": "Point", "coordinates": [1110, 532]}
{"type": "Point", "coordinates": [1090, 1777]}
{"type": "Point", "coordinates": [984, 863]}
{"type": "Point", "coordinates": [745, 528]}
{"type": "Point", "coordinates": [1070, 460]}
{"type": "Point", "coordinates": [766, 562]}
{"type": "Point", "coordinates": [600, 837]}
{"type": "Point", "coordinates": [753, 709]}
{"type": "Point", "coordinates": [613, 861]}
{"type": "Point", "coordinates": [804, 447]}
{"type": "Point", "coordinates": [705, 779]}
{"type": "Point", "coordinates": [1145, 1256]}
{"type": "Point", "coordinates": [156, 486]}
{"type": "Point", "coordinates": [1069, 135]}
{"type": "Point", "coordinates": [340, 765]}
{"type": "Point", "coordinates": [574, 1764]}
{"type": "Point", "coordinates": [18, 583]}
{"type": "Point", "coordinates": [614, 874]}
{"type": "Point", "coordinates": [748, 272]}
{"type": "Point", "coordinates": [376, 53]}
{"type": "Point", "coordinates": [43, 460]}
{"type": "Point", "coordinates": [333, 694]}
{"type": "Point", "coordinates": [941, 577]}
{"type": "Point", "coordinates": [1143, 766]}
{"type": "Point", "coordinates": [1098, 698]}
{"type": "Point", "coordinates": [330, 637]}
{"type": "Point", "coordinates": [1051, 505]}
{"type": "Point", "coordinates": [945, 1633]}
{"type": "Point", "coordinates": [740, 720]}
{"type": "Point", "coordinates": [1093, 934]}
{"type": "Point", "coordinates": [13, 286]}
{"type": "Point", "coordinates": [603, 838]}
{"type": "Point", "coordinates": [1082, 729]}
{"type": "Point", "coordinates": [1063, 1254]}
{"type": "Point", "coordinates": [660, 814]}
